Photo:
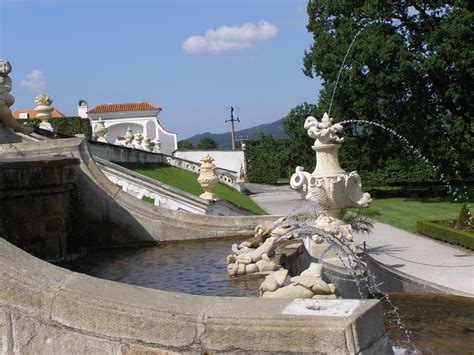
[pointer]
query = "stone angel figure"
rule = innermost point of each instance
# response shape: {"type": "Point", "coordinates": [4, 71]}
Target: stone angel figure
{"type": "Point", "coordinates": [7, 100]}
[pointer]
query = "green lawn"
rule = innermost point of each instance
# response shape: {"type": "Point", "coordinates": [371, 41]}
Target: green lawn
{"type": "Point", "coordinates": [187, 181]}
{"type": "Point", "coordinates": [404, 212]}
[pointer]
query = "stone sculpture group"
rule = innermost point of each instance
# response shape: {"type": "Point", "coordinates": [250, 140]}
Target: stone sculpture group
{"type": "Point", "coordinates": [330, 188]}
{"type": "Point", "coordinates": [136, 141]}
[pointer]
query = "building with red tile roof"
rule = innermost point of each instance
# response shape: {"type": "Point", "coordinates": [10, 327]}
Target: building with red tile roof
{"type": "Point", "coordinates": [139, 116]}
{"type": "Point", "coordinates": [30, 114]}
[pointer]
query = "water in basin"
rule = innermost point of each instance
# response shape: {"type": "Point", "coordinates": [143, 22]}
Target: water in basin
{"type": "Point", "coordinates": [438, 324]}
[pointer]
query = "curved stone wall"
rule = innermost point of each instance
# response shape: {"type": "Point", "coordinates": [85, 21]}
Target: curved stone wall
{"type": "Point", "coordinates": [110, 216]}
{"type": "Point", "coordinates": [45, 309]}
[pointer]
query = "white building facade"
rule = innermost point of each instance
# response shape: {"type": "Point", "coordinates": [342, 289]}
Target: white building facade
{"type": "Point", "coordinates": [140, 116]}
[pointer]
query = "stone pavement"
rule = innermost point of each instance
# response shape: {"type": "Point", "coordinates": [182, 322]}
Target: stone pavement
{"type": "Point", "coordinates": [413, 254]}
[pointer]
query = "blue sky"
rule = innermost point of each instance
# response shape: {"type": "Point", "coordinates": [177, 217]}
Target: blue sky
{"type": "Point", "coordinates": [130, 51]}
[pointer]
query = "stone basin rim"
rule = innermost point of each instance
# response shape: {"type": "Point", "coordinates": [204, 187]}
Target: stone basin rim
{"type": "Point", "coordinates": [37, 162]}
{"type": "Point", "coordinates": [49, 295]}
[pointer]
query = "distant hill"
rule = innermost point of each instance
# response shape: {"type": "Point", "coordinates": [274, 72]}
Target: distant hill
{"type": "Point", "coordinates": [223, 140]}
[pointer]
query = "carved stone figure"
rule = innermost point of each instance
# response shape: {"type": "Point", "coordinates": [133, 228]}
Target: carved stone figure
{"type": "Point", "coordinates": [7, 100]}
{"type": "Point", "coordinates": [253, 260]}
{"type": "Point", "coordinates": [100, 131]}
{"type": "Point", "coordinates": [307, 285]}
{"type": "Point", "coordinates": [208, 178]}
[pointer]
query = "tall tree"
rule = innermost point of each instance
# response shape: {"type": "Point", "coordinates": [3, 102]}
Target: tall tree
{"type": "Point", "coordinates": [185, 145]}
{"type": "Point", "coordinates": [410, 69]}
{"type": "Point", "coordinates": [207, 143]}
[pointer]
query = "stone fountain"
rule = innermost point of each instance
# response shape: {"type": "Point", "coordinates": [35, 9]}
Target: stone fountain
{"type": "Point", "coordinates": [329, 187]}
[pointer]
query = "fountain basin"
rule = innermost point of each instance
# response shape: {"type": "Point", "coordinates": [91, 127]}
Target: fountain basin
{"type": "Point", "coordinates": [47, 309]}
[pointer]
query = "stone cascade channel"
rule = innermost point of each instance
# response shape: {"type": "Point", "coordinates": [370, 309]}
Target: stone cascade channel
{"type": "Point", "coordinates": [48, 309]}
{"type": "Point", "coordinates": [135, 280]}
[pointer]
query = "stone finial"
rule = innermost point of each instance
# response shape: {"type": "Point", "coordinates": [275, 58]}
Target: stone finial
{"type": "Point", "coordinates": [157, 146]}
{"type": "Point", "coordinates": [324, 131]}
{"type": "Point", "coordinates": [6, 101]}
{"type": "Point", "coordinates": [43, 111]}
{"type": "Point", "coordinates": [100, 130]}
{"type": "Point", "coordinates": [137, 140]}
{"type": "Point", "coordinates": [146, 143]}
{"type": "Point", "coordinates": [128, 136]}
{"type": "Point", "coordinates": [208, 178]}
{"type": "Point", "coordinates": [241, 177]}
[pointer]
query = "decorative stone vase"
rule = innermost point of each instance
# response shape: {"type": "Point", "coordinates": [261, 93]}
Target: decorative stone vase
{"type": "Point", "coordinates": [100, 131]}
{"type": "Point", "coordinates": [43, 111]}
{"type": "Point", "coordinates": [157, 146]}
{"type": "Point", "coordinates": [329, 186]}
{"type": "Point", "coordinates": [137, 140]}
{"type": "Point", "coordinates": [146, 143]}
{"type": "Point", "coordinates": [128, 136]}
{"type": "Point", "coordinates": [208, 178]}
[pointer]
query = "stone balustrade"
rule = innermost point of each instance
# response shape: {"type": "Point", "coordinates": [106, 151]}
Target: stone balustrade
{"type": "Point", "coordinates": [164, 195]}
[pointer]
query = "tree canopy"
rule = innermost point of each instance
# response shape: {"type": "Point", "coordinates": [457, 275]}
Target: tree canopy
{"type": "Point", "coordinates": [410, 69]}
{"type": "Point", "coordinates": [207, 143]}
{"type": "Point", "coordinates": [185, 145]}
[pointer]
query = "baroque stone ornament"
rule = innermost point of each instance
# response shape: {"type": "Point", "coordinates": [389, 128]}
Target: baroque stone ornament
{"type": "Point", "coordinates": [146, 143]}
{"type": "Point", "coordinates": [43, 111]}
{"type": "Point", "coordinates": [137, 140]}
{"type": "Point", "coordinates": [329, 186]}
{"type": "Point", "coordinates": [156, 146]}
{"type": "Point", "coordinates": [100, 131]}
{"type": "Point", "coordinates": [208, 178]}
{"type": "Point", "coordinates": [7, 100]}
{"type": "Point", "coordinates": [307, 285]}
{"type": "Point", "coordinates": [128, 137]}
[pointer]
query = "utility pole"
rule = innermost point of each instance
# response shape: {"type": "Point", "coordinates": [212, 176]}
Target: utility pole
{"type": "Point", "coordinates": [232, 120]}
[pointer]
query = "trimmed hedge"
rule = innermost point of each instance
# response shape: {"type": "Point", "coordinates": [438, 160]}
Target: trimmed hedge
{"type": "Point", "coordinates": [68, 126]}
{"type": "Point", "coordinates": [446, 234]}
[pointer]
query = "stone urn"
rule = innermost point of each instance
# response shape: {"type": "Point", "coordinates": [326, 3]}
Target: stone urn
{"type": "Point", "coordinates": [100, 131]}
{"type": "Point", "coordinates": [43, 111]}
{"type": "Point", "coordinates": [146, 143]}
{"type": "Point", "coordinates": [208, 178]}
{"type": "Point", "coordinates": [137, 140]}
{"type": "Point", "coordinates": [157, 146]}
{"type": "Point", "coordinates": [329, 186]}
{"type": "Point", "coordinates": [128, 136]}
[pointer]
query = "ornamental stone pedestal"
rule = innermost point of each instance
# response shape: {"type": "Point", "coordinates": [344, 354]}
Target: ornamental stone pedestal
{"type": "Point", "coordinates": [208, 178]}
{"type": "Point", "coordinates": [328, 186]}
{"type": "Point", "coordinates": [43, 111]}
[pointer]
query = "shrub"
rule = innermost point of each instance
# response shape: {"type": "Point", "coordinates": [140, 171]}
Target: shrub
{"type": "Point", "coordinates": [266, 159]}
{"type": "Point", "coordinates": [69, 126]}
{"type": "Point", "coordinates": [435, 230]}
{"type": "Point", "coordinates": [464, 218]}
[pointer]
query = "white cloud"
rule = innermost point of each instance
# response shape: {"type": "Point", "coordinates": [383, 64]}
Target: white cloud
{"type": "Point", "coordinates": [235, 38]}
{"type": "Point", "coordinates": [35, 81]}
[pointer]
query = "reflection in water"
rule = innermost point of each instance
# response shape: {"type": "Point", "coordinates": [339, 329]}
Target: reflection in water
{"type": "Point", "coordinates": [438, 324]}
{"type": "Point", "coordinates": [197, 268]}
